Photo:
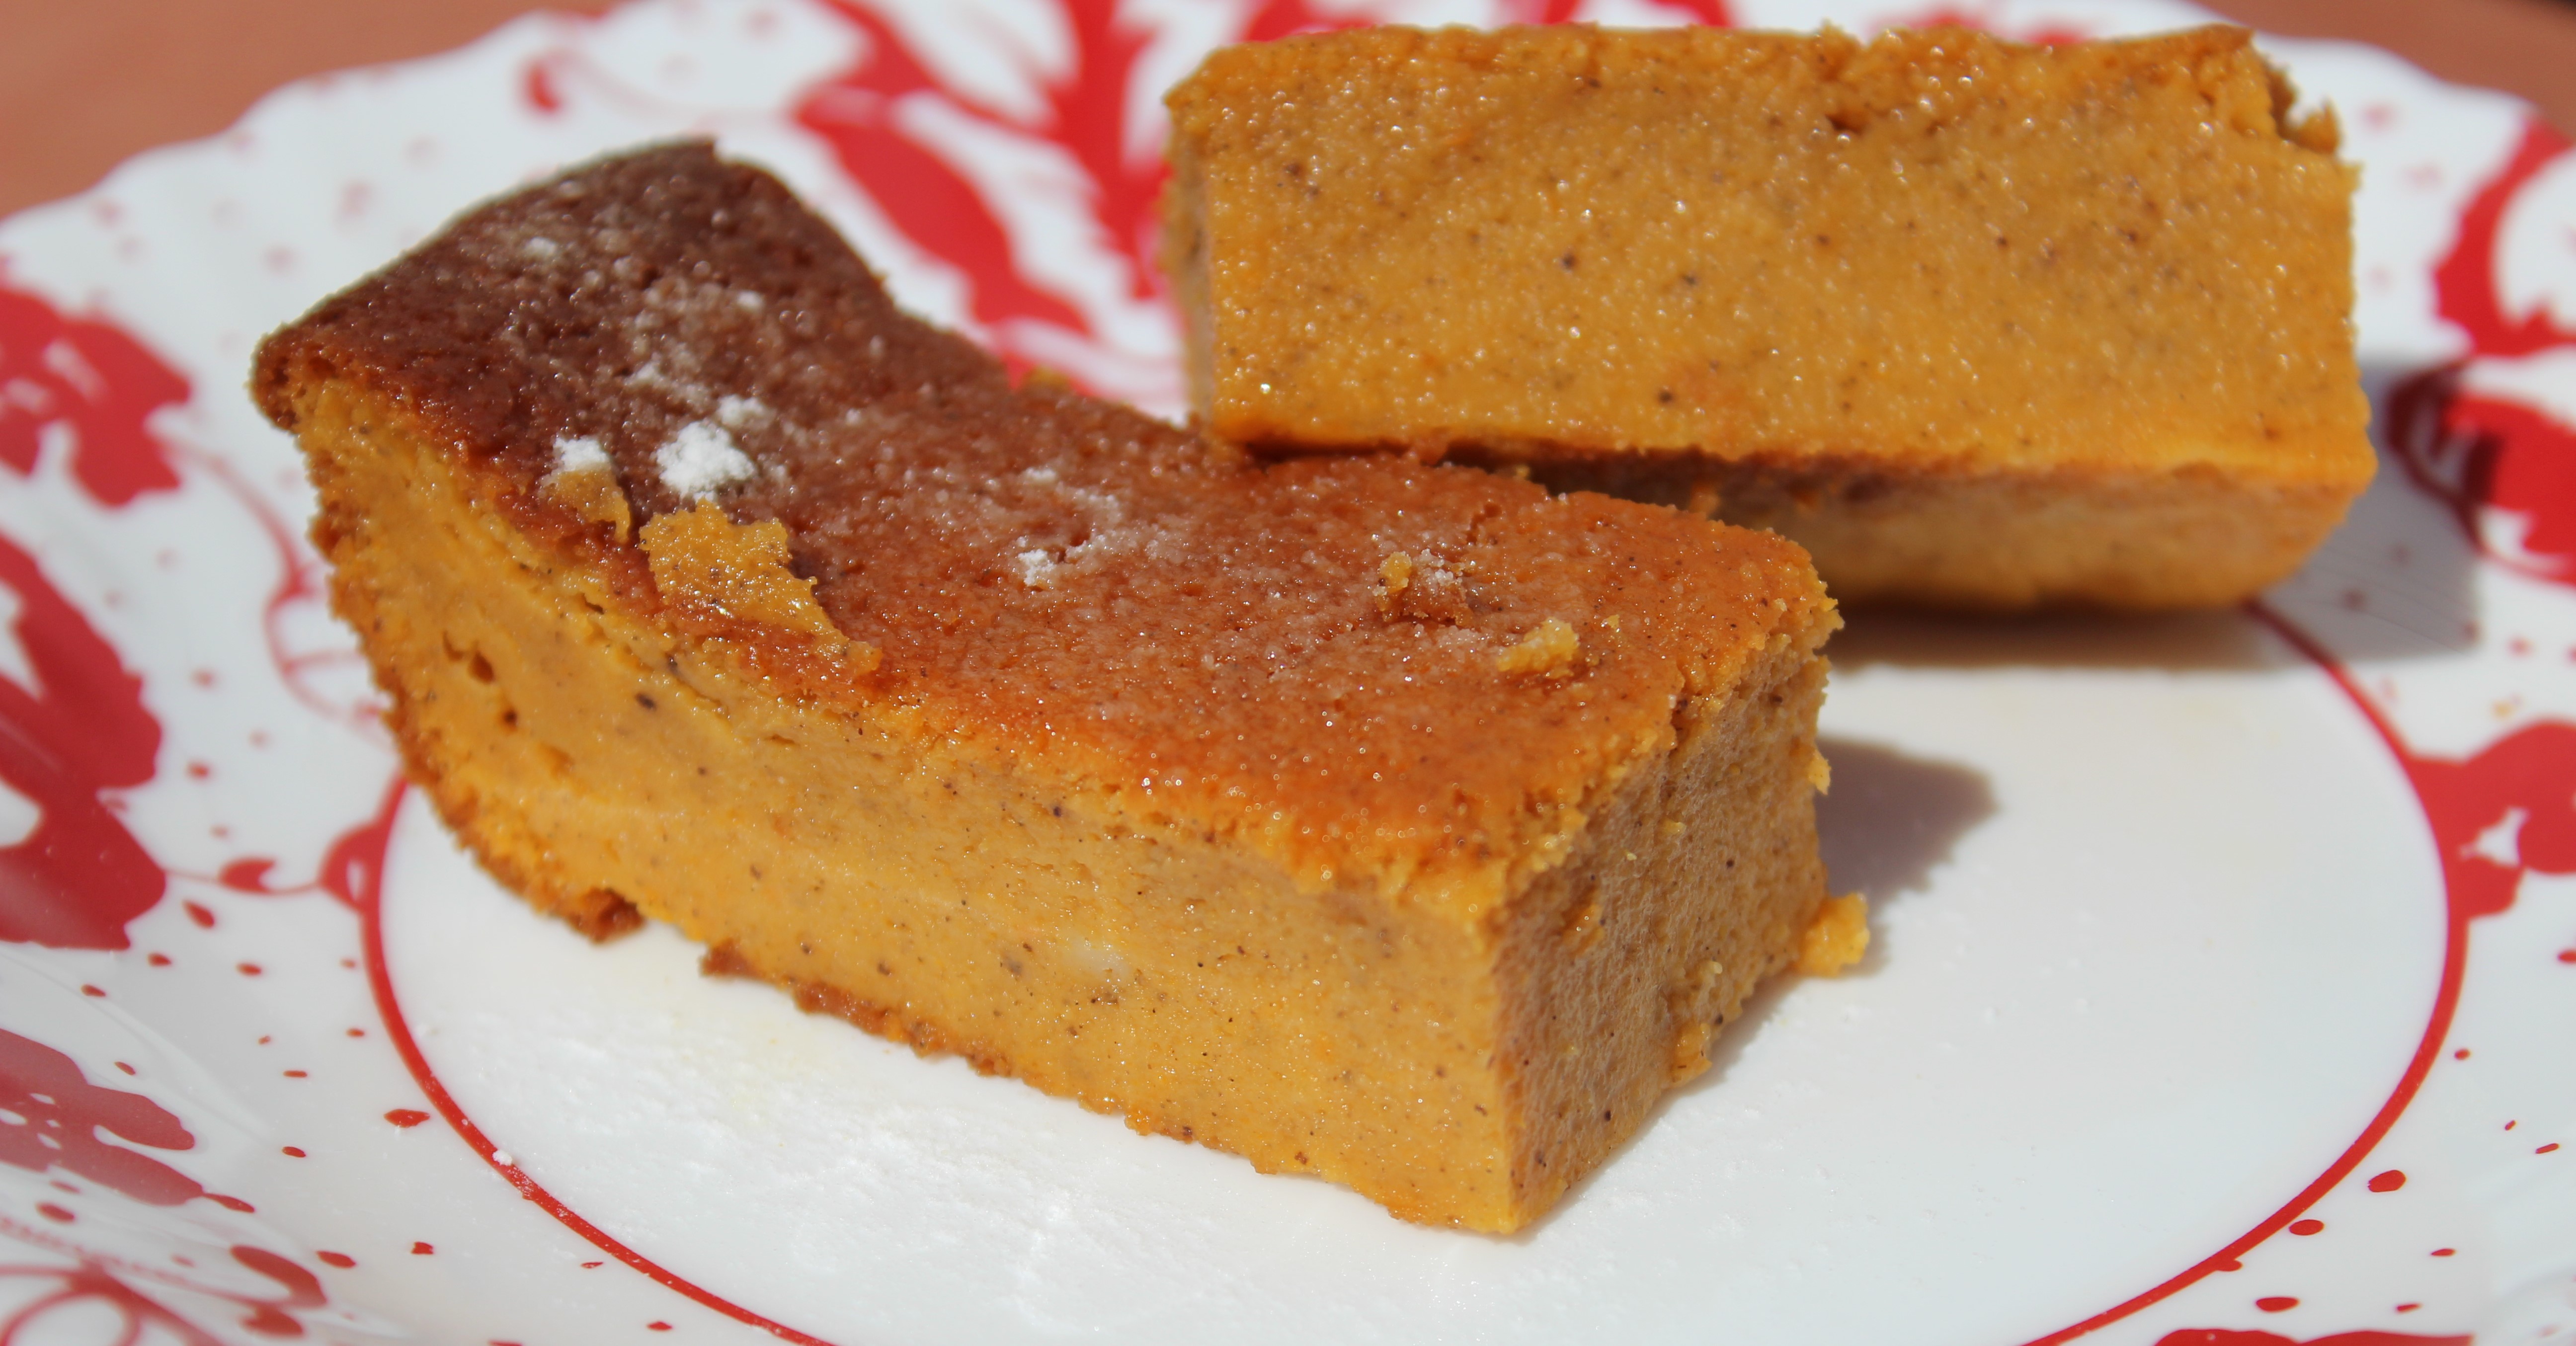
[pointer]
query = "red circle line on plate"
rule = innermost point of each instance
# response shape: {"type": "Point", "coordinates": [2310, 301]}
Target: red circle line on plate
{"type": "Point", "coordinates": [377, 834]}
{"type": "Point", "coordinates": [2446, 999]}
{"type": "Point", "coordinates": [380, 979]}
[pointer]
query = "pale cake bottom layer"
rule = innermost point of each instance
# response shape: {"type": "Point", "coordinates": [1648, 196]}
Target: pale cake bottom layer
{"type": "Point", "coordinates": [2000, 540]}
{"type": "Point", "coordinates": [960, 899]}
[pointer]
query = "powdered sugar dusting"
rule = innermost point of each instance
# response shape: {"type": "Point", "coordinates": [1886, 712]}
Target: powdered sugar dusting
{"type": "Point", "coordinates": [701, 460]}
{"type": "Point", "coordinates": [581, 453]}
{"type": "Point", "coordinates": [738, 413]}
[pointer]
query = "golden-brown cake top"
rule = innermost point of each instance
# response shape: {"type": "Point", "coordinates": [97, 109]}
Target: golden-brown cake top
{"type": "Point", "coordinates": [1372, 666]}
{"type": "Point", "coordinates": [1933, 246]}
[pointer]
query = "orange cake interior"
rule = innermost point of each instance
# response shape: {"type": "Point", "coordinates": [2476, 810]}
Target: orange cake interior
{"type": "Point", "coordinates": [1982, 325]}
{"type": "Point", "coordinates": [1400, 824]}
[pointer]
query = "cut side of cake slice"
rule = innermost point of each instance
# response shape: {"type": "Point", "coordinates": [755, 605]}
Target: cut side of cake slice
{"type": "Point", "coordinates": [1396, 823]}
{"type": "Point", "coordinates": [1981, 325]}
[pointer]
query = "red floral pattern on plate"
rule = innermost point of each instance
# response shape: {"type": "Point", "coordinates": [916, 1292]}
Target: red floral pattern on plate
{"type": "Point", "coordinates": [53, 1116]}
{"type": "Point", "coordinates": [2506, 468]}
{"type": "Point", "coordinates": [111, 1283]}
{"type": "Point", "coordinates": [93, 378]}
{"type": "Point", "coordinates": [79, 876]}
{"type": "Point", "coordinates": [2215, 1336]}
{"type": "Point", "coordinates": [76, 879]}
{"type": "Point", "coordinates": [2498, 814]}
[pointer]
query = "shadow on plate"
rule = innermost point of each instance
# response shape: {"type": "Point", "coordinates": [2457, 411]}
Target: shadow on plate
{"type": "Point", "coordinates": [2399, 579]}
{"type": "Point", "coordinates": [2177, 641]}
{"type": "Point", "coordinates": [1889, 822]}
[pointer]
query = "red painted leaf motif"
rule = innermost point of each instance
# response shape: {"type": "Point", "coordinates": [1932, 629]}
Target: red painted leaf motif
{"type": "Point", "coordinates": [2509, 809]}
{"type": "Point", "coordinates": [1712, 13]}
{"type": "Point", "coordinates": [96, 1281]}
{"type": "Point", "coordinates": [860, 113]}
{"type": "Point", "coordinates": [55, 1120]}
{"type": "Point", "coordinates": [93, 378]}
{"type": "Point", "coordinates": [922, 194]}
{"type": "Point", "coordinates": [77, 1111]}
{"type": "Point", "coordinates": [348, 870]}
{"type": "Point", "coordinates": [2464, 282]}
{"type": "Point", "coordinates": [356, 862]}
{"type": "Point", "coordinates": [1547, 11]}
{"type": "Point", "coordinates": [2525, 466]}
{"type": "Point", "coordinates": [303, 1291]}
{"type": "Point", "coordinates": [1286, 18]}
{"type": "Point", "coordinates": [1090, 117]}
{"type": "Point", "coordinates": [2219, 1336]}
{"type": "Point", "coordinates": [537, 86]}
{"type": "Point", "coordinates": [77, 878]}
{"type": "Point", "coordinates": [2504, 467]}
{"type": "Point", "coordinates": [2477, 453]}
{"type": "Point", "coordinates": [301, 662]}
{"type": "Point", "coordinates": [247, 875]}
{"type": "Point", "coordinates": [74, 881]}
{"type": "Point", "coordinates": [1982, 18]}
{"type": "Point", "coordinates": [91, 1283]}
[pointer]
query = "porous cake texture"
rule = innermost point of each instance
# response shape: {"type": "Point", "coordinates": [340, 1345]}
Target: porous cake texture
{"type": "Point", "coordinates": [1980, 324]}
{"type": "Point", "coordinates": [1397, 823]}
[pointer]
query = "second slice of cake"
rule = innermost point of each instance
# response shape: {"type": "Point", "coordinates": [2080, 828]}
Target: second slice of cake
{"type": "Point", "coordinates": [1980, 324]}
{"type": "Point", "coordinates": [1399, 824]}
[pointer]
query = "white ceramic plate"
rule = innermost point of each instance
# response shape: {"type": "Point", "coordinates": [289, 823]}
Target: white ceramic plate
{"type": "Point", "coordinates": [2224, 968]}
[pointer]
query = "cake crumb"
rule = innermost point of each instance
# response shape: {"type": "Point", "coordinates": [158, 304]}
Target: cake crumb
{"type": "Point", "coordinates": [1837, 938]}
{"type": "Point", "coordinates": [1694, 1005]}
{"type": "Point", "coordinates": [584, 481]}
{"type": "Point", "coordinates": [710, 568]}
{"type": "Point", "coordinates": [1395, 573]}
{"type": "Point", "coordinates": [1550, 650]}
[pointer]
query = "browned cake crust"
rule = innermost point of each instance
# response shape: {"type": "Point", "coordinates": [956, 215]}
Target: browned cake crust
{"type": "Point", "coordinates": [1398, 823]}
{"type": "Point", "coordinates": [1979, 324]}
